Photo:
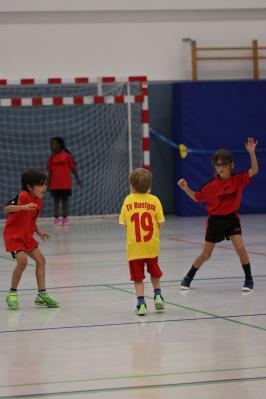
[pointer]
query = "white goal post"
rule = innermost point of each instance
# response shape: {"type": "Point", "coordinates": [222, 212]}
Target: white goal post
{"type": "Point", "coordinates": [104, 121]}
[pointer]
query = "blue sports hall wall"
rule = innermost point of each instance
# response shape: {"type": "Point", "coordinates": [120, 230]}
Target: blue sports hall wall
{"type": "Point", "coordinates": [212, 115]}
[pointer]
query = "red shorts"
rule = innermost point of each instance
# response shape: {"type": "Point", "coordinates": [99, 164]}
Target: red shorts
{"type": "Point", "coordinates": [136, 267]}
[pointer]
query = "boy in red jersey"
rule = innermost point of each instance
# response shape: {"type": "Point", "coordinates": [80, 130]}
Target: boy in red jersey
{"type": "Point", "coordinates": [223, 196]}
{"type": "Point", "coordinates": [23, 211]}
{"type": "Point", "coordinates": [142, 215]}
{"type": "Point", "coordinates": [60, 166]}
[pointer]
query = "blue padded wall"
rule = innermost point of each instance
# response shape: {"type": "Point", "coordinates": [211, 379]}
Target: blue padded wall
{"type": "Point", "coordinates": [212, 115]}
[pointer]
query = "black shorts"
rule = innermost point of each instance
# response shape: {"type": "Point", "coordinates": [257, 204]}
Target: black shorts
{"type": "Point", "coordinates": [220, 227]}
{"type": "Point", "coordinates": [58, 194]}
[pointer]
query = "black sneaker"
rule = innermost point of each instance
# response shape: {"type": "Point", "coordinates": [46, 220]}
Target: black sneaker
{"type": "Point", "coordinates": [248, 285]}
{"type": "Point", "coordinates": [185, 283]}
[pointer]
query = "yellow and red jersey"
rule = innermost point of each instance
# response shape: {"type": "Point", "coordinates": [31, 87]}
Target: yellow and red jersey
{"type": "Point", "coordinates": [141, 214]}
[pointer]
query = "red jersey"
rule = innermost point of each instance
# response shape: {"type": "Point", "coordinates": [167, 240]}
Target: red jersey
{"type": "Point", "coordinates": [223, 196]}
{"type": "Point", "coordinates": [60, 166]}
{"type": "Point", "coordinates": [21, 225]}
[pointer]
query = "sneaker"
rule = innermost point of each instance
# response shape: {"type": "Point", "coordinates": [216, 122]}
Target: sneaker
{"type": "Point", "coordinates": [185, 283]}
{"type": "Point", "coordinates": [46, 300]}
{"type": "Point", "coordinates": [65, 222]}
{"type": "Point", "coordinates": [141, 309]}
{"type": "Point", "coordinates": [12, 300]}
{"type": "Point", "coordinates": [248, 285]}
{"type": "Point", "coordinates": [159, 302]}
{"type": "Point", "coordinates": [57, 222]}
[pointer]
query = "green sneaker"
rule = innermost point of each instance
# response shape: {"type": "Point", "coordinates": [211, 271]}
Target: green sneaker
{"type": "Point", "coordinates": [141, 309]}
{"type": "Point", "coordinates": [46, 300]}
{"type": "Point", "coordinates": [159, 302]}
{"type": "Point", "coordinates": [12, 300]}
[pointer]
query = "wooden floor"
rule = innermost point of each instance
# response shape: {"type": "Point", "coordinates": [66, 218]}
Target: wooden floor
{"type": "Point", "coordinates": [210, 343]}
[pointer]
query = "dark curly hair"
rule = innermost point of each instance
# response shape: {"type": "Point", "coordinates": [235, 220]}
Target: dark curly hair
{"type": "Point", "coordinates": [31, 178]}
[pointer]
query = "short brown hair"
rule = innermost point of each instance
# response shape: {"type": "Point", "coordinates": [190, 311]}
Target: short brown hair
{"type": "Point", "coordinates": [141, 179]}
{"type": "Point", "coordinates": [222, 155]}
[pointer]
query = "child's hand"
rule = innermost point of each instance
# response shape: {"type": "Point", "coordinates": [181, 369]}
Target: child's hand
{"type": "Point", "coordinates": [44, 236]}
{"type": "Point", "coordinates": [29, 207]}
{"type": "Point", "coordinates": [251, 145]}
{"type": "Point", "coordinates": [182, 183]}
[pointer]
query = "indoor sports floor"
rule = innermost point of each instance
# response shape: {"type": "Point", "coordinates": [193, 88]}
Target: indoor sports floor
{"type": "Point", "coordinates": [210, 343]}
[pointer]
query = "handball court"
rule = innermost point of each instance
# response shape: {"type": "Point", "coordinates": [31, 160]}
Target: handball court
{"type": "Point", "coordinates": [209, 343]}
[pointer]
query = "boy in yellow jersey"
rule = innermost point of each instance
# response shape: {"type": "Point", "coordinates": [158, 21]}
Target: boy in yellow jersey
{"type": "Point", "coordinates": [142, 215]}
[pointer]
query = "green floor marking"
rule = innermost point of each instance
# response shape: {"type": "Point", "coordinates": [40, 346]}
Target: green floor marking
{"type": "Point", "coordinates": [125, 377]}
{"type": "Point", "coordinates": [136, 388]}
{"type": "Point", "coordinates": [194, 310]}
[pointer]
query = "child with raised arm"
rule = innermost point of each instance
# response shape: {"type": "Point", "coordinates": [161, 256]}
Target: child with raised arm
{"type": "Point", "coordinates": [222, 195]}
{"type": "Point", "coordinates": [20, 227]}
{"type": "Point", "coordinates": [142, 215]}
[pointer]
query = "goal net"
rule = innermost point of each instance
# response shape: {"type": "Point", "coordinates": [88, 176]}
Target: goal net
{"type": "Point", "coordinates": [102, 127]}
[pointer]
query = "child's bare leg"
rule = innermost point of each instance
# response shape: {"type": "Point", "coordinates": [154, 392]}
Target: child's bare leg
{"type": "Point", "coordinates": [56, 207]}
{"type": "Point", "coordinates": [141, 306]}
{"type": "Point", "coordinates": [244, 259]}
{"type": "Point", "coordinates": [240, 249]}
{"type": "Point", "coordinates": [38, 257]}
{"type": "Point", "coordinates": [43, 297]}
{"type": "Point", "coordinates": [205, 254]}
{"type": "Point", "coordinates": [158, 299]}
{"type": "Point", "coordinates": [12, 299]}
{"type": "Point", "coordinates": [21, 258]}
{"type": "Point", "coordinates": [203, 257]}
{"type": "Point", "coordinates": [65, 206]}
{"type": "Point", "coordinates": [139, 288]}
{"type": "Point", "coordinates": [155, 282]}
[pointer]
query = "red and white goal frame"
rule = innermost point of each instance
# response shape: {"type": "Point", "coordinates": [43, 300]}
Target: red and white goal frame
{"type": "Point", "coordinates": [129, 99]}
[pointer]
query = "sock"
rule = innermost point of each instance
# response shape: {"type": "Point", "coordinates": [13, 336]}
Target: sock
{"type": "Point", "coordinates": [157, 291]}
{"type": "Point", "coordinates": [192, 272]}
{"type": "Point", "coordinates": [13, 290]}
{"type": "Point", "coordinates": [141, 300]}
{"type": "Point", "coordinates": [42, 292]}
{"type": "Point", "coordinates": [247, 271]}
